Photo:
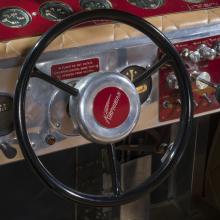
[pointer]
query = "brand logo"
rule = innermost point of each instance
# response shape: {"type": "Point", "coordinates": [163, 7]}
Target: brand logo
{"type": "Point", "coordinates": [109, 111]}
{"type": "Point", "coordinates": [111, 107]}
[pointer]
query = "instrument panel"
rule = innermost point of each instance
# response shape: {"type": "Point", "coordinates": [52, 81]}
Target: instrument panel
{"type": "Point", "coordinates": [202, 61]}
{"type": "Point", "coordinates": [35, 17]}
{"type": "Point", "coordinates": [159, 95]}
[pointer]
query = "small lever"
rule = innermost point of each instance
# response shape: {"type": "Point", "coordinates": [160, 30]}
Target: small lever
{"type": "Point", "coordinates": [8, 150]}
{"type": "Point", "coordinates": [213, 85]}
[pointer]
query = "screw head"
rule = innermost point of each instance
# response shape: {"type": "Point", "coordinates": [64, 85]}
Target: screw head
{"type": "Point", "coordinates": [50, 139]}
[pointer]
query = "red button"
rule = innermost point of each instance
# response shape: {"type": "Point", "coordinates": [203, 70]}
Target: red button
{"type": "Point", "coordinates": [111, 107]}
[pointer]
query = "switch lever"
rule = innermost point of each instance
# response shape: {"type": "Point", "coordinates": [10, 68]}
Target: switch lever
{"type": "Point", "coordinates": [213, 85]}
{"type": "Point", "coordinates": [8, 150]}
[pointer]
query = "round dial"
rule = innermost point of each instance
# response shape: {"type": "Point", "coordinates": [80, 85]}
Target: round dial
{"type": "Point", "coordinates": [55, 11]}
{"type": "Point", "coordinates": [143, 88]}
{"type": "Point", "coordinates": [95, 4]}
{"type": "Point", "coordinates": [151, 4]}
{"type": "Point", "coordinates": [14, 17]}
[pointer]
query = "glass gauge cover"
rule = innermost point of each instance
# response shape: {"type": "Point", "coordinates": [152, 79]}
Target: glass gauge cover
{"type": "Point", "coordinates": [151, 4]}
{"type": "Point", "coordinates": [55, 11]}
{"type": "Point", "coordinates": [95, 4]}
{"type": "Point", "coordinates": [194, 1]}
{"type": "Point", "coordinates": [14, 17]}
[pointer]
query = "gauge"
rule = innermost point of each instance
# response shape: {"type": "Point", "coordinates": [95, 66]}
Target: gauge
{"type": "Point", "coordinates": [143, 88]}
{"type": "Point", "coordinates": [194, 1]}
{"type": "Point", "coordinates": [14, 17]}
{"type": "Point", "coordinates": [95, 4]}
{"type": "Point", "coordinates": [55, 11]}
{"type": "Point", "coordinates": [151, 4]}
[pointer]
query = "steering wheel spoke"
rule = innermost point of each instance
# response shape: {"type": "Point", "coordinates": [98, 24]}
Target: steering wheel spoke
{"type": "Point", "coordinates": [150, 71]}
{"type": "Point", "coordinates": [115, 169]}
{"type": "Point", "coordinates": [63, 86]}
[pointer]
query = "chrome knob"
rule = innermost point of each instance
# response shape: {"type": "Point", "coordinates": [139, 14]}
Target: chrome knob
{"type": "Point", "coordinates": [185, 53]}
{"type": "Point", "coordinates": [172, 81]}
{"type": "Point", "coordinates": [207, 52]}
{"type": "Point", "coordinates": [202, 79]}
{"type": "Point", "coordinates": [194, 56]}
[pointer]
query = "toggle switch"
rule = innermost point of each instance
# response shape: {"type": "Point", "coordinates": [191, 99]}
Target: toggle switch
{"type": "Point", "coordinates": [195, 103]}
{"type": "Point", "coordinates": [172, 81]}
{"type": "Point", "coordinates": [205, 95]}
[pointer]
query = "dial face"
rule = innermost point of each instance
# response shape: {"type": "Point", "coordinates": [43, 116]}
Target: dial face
{"type": "Point", "coordinates": [143, 88]}
{"type": "Point", "coordinates": [55, 11]}
{"type": "Point", "coordinates": [151, 4]}
{"type": "Point", "coordinates": [14, 17]}
{"type": "Point", "coordinates": [95, 4]}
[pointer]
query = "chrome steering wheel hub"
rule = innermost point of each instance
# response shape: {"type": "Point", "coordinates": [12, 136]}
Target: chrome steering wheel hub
{"type": "Point", "coordinates": [107, 107]}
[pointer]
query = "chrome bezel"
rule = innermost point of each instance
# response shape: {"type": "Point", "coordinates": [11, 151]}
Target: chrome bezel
{"type": "Point", "coordinates": [65, 5]}
{"type": "Point", "coordinates": [160, 4]}
{"type": "Point", "coordinates": [81, 108]}
{"type": "Point", "coordinates": [29, 20]}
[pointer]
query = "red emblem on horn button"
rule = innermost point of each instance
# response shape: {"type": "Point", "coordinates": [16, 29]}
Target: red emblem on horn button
{"type": "Point", "coordinates": [111, 107]}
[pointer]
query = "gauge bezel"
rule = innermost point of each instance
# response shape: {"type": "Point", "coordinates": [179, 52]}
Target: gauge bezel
{"type": "Point", "coordinates": [18, 8]}
{"type": "Point", "coordinates": [195, 1]}
{"type": "Point", "coordinates": [162, 4]}
{"type": "Point", "coordinates": [52, 2]}
{"type": "Point", "coordinates": [107, 1]}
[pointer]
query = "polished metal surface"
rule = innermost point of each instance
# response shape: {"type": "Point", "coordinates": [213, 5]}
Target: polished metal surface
{"type": "Point", "coordinates": [81, 107]}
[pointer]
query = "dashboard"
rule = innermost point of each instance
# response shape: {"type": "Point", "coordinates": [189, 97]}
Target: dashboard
{"type": "Point", "coordinates": [33, 18]}
{"type": "Point", "coordinates": [193, 27]}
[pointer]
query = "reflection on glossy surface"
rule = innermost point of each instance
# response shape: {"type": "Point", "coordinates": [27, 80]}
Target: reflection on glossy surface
{"type": "Point", "coordinates": [98, 4]}
{"type": "Point", "coordinates": [151, 4]}
{"type": "Point", "coordinates": [55, 11]}
{"type": "Point", "coordinates": [195, 1]}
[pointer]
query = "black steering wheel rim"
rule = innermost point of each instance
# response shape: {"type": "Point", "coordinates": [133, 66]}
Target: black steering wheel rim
{"type": "Point", "coordinates": [185, 120]}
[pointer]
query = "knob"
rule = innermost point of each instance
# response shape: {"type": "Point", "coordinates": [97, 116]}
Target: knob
{"type": "Point", "coordinates": [194, 56]}
{"type": "Point", "coordinates": [185, 53]}
{"type": "Point", "coordinates": [172, 81]}
{"type": "Point", "coordinates": [200, 77]}
{"type": "Point", "coordinates": [207, 52]}
{"type": "Point", "coordinates": [214, 86]}
{"type": "Point", "coordinates": [217, 48]}
{"type": "Point", "coordinates": [8, 150]}
{"type": "Point", "coordinates": [167, 104]}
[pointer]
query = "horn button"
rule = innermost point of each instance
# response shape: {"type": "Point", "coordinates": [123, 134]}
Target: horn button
{"type": "Point", "coordinates": [107, 107]}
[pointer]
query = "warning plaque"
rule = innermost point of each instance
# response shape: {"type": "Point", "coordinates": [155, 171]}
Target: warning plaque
{"type": "Point", "coordinates": [75, 69]}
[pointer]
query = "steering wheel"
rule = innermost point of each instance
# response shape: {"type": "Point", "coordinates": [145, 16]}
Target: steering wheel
{"type": "Point", "coordinates": [94, 102]}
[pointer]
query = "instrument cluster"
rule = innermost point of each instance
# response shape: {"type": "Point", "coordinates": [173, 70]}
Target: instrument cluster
{"type": "Point", "coordinates": [202, 58]}
{"type": "Point", "coordinates": [35, 17]}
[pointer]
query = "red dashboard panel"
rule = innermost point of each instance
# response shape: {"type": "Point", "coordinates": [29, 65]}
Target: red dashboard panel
{"type": "Point", "coordinates": [38, 24]}
{"type": "Point", "coordinates": [204, 96]}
